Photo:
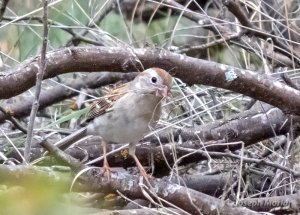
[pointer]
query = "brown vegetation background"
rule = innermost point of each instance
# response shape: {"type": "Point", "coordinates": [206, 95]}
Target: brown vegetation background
{"type": "Point", "coordinates": [227, 142]}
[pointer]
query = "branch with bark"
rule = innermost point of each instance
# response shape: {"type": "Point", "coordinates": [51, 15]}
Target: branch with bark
{"type": "Point", "coordinates": [157, 190]}
{"type": "Point", "coordinates": [22, 107]}
{"type": "Point", "coordinates": [266, 122]}
{"type": "Point", "coordinates": [189, 70]}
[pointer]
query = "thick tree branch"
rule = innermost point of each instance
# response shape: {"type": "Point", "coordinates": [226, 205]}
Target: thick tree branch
{"type": "Point", "coordinates": [187, 199]}
{"type": "Point", "coordinates": [12, 174]}
{"type": "Point", "coordinates": [286, 204]}
{"type": "Point", "coordinates": [249, 127]}
{"type": "Point", "coordinates": [22, 107]}
{"type": "Point", "coordinates": [260, 123]}
{"type": "Point", "coordinates": [190, 70]}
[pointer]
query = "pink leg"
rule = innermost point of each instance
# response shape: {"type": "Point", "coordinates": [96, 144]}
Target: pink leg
{"type": "Point", "coordinates": [138, 163]}
{"type": "Point", "coordinates": [140, 167]}
{"type": "Point", "coordinates": [106, 167]}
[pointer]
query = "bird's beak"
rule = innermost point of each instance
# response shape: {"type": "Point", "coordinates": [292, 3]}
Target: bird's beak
{"type": "Point", "coordinates": [162, 91]}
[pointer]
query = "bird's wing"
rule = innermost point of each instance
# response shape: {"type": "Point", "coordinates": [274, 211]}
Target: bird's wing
{"type": "Point", "coordinates": [103, 104]}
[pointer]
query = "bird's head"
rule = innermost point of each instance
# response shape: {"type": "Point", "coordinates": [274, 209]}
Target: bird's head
{"type": "Point", "coordinates": [153, 80]}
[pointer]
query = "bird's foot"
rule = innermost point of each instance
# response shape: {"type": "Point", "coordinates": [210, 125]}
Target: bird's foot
{"type": "Point", "coordinates": [106, 170]}
{"type": "Point", "coordinates": [144, 173]}
{"type": "Point", "coordinates": [141, 169]}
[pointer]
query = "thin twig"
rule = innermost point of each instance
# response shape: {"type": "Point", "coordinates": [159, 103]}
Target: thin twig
{"type": "Point", "coordinates": [235, 36]}
{"type": "Point", "coordinates": [3, 8]}
{"type": "Point", "coordinates": [39, 78]}
{"type": "Point", "coordinates": [235, 8]}
{"type": "Point", "coordinates": [76, 37]}
{"type": "Point", "coordinates": [253, 160]}
{"type": "Point", "coordinates": [13, 120]}
{"type": "Point", "coordinates": [80, 37]}
{"type": "Point", "coordinates": [289, 81]}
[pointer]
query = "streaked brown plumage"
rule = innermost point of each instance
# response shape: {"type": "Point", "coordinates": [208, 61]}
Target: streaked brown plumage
{"type": "Point", "coordinates": [129, 112]}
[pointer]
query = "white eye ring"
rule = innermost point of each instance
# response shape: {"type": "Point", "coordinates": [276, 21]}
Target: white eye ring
{"type": "Point", "coordinates": [154, 80]}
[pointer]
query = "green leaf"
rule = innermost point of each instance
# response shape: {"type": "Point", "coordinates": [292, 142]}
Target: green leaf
{"type": "Point", "coordinates": [73, 115]}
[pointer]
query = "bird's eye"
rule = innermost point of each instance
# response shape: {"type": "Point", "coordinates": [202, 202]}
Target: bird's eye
{"type": "Point", "coordinates": [154, 80]}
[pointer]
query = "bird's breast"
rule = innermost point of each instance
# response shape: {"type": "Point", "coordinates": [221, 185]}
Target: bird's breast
{"type": "Point", "coordinates": [130, 118]}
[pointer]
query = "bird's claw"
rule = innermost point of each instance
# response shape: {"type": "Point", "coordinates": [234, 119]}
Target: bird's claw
{"type": "Point", "coordinates": [107, 170]}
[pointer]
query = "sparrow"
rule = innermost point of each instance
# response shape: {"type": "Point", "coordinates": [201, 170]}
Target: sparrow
{"type": "Point", "coordinates": [127, 113]}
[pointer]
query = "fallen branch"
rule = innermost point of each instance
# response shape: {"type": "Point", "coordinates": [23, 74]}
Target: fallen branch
{"type": "Point", "coordinates": [22, 107]}
{"type": "Point", "coordinates": [170, 194]}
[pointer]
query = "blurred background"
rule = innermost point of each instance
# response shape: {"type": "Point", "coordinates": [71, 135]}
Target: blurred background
{"type": "Point", "coordinates": [182, 26]}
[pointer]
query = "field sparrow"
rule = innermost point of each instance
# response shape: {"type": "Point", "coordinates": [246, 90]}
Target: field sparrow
{"type": "Point", "coordinates": [128, 113]}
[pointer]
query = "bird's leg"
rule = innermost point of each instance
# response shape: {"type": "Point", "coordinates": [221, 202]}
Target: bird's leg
{"type": "Point", "coordinates": [106, 167]}
{"type": "Point", "coordinates": [132, 147]}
